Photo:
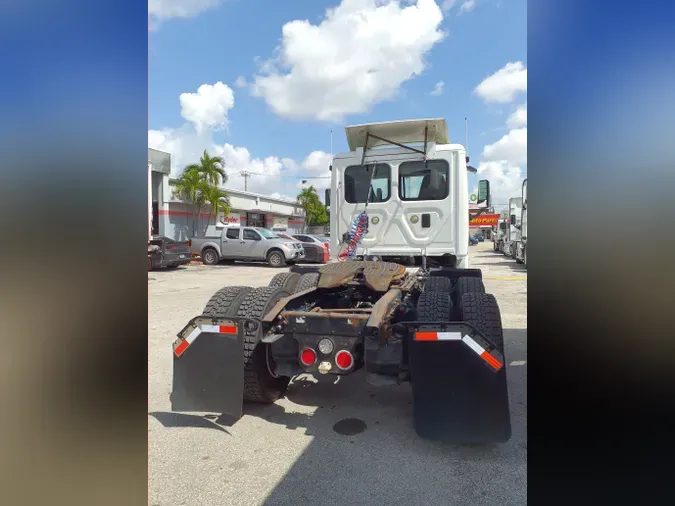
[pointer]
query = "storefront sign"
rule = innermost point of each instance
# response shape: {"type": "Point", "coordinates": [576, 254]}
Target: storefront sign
{"type": "Point", "coordinates": [484, 220]}
{"type": "Point", "coordinates": [231, 219]}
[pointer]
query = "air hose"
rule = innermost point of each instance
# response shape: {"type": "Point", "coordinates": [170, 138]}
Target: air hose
{"type": "Point", "coordinates": [358, 230]}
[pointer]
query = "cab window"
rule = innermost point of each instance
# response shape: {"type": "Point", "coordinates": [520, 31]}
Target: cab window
{"type": "Point", "coordinates": [232, 233]}
{"type": "Point", "coordinates": [357, 178]}
{"type": "Point", "coordinates": [423, 181]}
{"type": "Point", "coordinates": [251, 235]}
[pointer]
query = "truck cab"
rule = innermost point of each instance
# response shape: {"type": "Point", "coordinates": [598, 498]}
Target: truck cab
{"type": "Point", "coordinates": [434, 326]}
{"type": "Point", "coordinates": [521, 244]}
{"type": "Point", "coordinates": [412, 183]}
{"type": "Point", "coordinates": [500, 235]}
{"type": "Point", "coordinates": [513, 230]}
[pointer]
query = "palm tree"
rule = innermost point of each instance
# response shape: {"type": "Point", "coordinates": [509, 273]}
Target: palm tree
{"type": "Point", "coordinates": [218, 200]}
{"type": "Point", "coordinates": [188, 187]}
{"type": "Point", "coordinates": [307, 199]}
{"type": "Point", "coordinates": [211, 168]}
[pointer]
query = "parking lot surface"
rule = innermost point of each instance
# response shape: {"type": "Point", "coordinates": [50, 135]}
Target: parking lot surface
{"type": "Point", "coordinates": [288, 453]}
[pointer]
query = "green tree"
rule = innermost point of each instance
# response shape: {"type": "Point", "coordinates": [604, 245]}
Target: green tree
{"type": "Point", "coordinates": [315, 211]}
{"type": "Point", "coordinates": [198, 185]}
{"type": "Point", "coordinates": [188, 188]}
{"type": "Point", "coordinates": [218, 200]}
{"type": "Point", "coordinates": [212, 168]}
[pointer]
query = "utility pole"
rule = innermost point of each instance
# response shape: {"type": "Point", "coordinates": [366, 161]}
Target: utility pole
{"type": "Point", "coordinates": [245, 174]}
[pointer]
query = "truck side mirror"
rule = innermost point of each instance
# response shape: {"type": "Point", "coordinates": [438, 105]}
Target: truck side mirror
{"type": "Point", "coordinates": [484, 192]}
{"type": "Point", "coordinates": [327, 198]}
{"type": "Point", "coordinates": [513, 220]}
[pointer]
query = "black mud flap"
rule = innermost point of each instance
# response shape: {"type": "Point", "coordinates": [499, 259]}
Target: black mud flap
{"type": "Point", "coordinates": [208, 366]}
{"type": "Point", "coordinates": [459, 385]}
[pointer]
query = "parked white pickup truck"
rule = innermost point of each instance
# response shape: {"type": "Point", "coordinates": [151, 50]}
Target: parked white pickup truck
{"type": "Point", "coordinates": [233, 242]}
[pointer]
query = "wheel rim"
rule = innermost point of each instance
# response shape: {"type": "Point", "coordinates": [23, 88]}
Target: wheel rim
{"type": "Point", "coordinates": [210, 257]}
{"type": "Point", "coordinates": [275, 259]}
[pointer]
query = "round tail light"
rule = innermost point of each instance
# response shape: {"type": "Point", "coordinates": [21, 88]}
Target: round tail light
{"type": "Point", "coordinates": [344, 360]}
{"type": "Point", "coordinates": [307, 357]}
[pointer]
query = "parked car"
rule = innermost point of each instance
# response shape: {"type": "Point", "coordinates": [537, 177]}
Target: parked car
{"type": "Point", "coordinates": [479, 236]}
{"type": "Point", "coordinates": [165, 252]}
{"type": "Point", "coordinates": [246, 243]}
{"type": "Point", "coordinates": [473, 241]}
{"type": "Point", "coordinates": [316, 249]}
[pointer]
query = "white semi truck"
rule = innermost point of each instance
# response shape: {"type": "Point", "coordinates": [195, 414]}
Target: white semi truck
{"type": "Point", "coordinates": [499, 235]}
{"type": "Point", "coordinates": [521, 243]}
{"type": "Point", "coordinates": [513, 229]}
{"type": "Point", "coordinates": [433, 326]}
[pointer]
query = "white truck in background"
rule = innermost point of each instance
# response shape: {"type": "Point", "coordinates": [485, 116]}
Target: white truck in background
{"type": "Point", "coordinates": [521, 244]}
{"type": "Point", "coordinates": [513, 229]}
{"type": "Point", "coordinates": [499, 235]}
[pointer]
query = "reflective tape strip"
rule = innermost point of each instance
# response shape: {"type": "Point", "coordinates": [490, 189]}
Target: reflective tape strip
{"type": "Point", "coordinates": [181, 348]}
{"type": "Point", "coordinates": [438, 336]}
{"type": "Point", "coordinates": [492, 361]}
{"type": "Point", "coordinates": [482, 352]}
{"type": "Point", "coordinates": [449, 336]}
{"type": "Point", "coordinates": [473, 345]}
{"type": "Point", "coordinates": [193, 335]}
{"type": "Point", "coordinates": [220, 329]}
{"type": "Point", "coordinates": [426, 336]}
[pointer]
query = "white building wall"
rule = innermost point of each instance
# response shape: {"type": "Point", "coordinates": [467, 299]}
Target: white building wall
{"type": "Point", "coordinates": [177, 222]}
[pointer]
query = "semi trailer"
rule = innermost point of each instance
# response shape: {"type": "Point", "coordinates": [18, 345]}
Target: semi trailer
{"type": "Point", "coordinates": [400, 304]}
{"type": "Point", "coordinates": [521, 244]}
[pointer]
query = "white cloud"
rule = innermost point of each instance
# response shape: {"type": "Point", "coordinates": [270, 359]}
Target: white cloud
{"type": "Point", "coordinates": [467, 6]}
{"type": "Point", "coordinates": [447, 5]}
{"type": "Point", "coordinates": [505, 181]}
{"type": "Point", "coordinates": [360, 54]}
{"type": "Point", "coordinates": [317, 165]}
{"type": "Point", "coordinates": [240, 82]}
{"type": "Point", "coordinates": [511, 148]}
{"type": "Point", "coordinates": [438, 89]}
{"type": "Point", "coordinates": [208, 108]}
{"type": "Point", "coordinates": [272, 175]}
{"type": "Point", "coordinates": [519, 117]}
{"type": "Point", "coordinates": [505, 84]}
{"type": "Point", "coordinates": [160, 10]}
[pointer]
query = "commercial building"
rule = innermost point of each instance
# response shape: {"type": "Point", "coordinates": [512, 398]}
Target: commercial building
{"type": "Point", "coordinates": [176, 219]}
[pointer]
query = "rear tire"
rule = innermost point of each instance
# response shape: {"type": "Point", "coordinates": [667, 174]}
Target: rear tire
{"type": "Point", "coordinates": [465, 286]}
{"type": "Point", "coordinates": [209, 256]}
{"type": "Point", "coordinates": [287, 280]}
{"type": "Point", "coordinates": [434, 306]}
{"type": "Point", "coordinates": [259, 384]}
{"type": "Point", "coordinates": [307, 281]}
{"type": "Point", "coordinates": [482, 312]}
{"type": "Point", "coordinates": [276, 258]}
{"type": "Point", "coordinates": [438, 284]}
{"type": "Point", "coordinates": [225, 302]}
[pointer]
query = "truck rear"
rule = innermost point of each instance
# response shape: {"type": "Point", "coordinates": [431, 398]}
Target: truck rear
{"type": "Point", "coordinates": [433, 326]}
{"type": "Point", "coordinates": [513, 228]}
{"type": "Point", "coordinates": [521, 244]}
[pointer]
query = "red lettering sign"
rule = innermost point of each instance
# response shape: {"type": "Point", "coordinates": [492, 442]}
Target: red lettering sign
{"type": "Point", "coordinates": [484, 220]}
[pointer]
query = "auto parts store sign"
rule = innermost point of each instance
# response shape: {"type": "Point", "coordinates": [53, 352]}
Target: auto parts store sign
{"type": "Point", "coordinates": [484, 220]}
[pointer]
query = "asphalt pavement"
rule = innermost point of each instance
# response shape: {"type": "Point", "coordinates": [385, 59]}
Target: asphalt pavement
{"type": "Point", "coordinates": [289, 453]}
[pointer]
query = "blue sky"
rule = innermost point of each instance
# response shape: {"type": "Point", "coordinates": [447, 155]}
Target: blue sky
{"type": "Point", "coordinates": [308, 70]}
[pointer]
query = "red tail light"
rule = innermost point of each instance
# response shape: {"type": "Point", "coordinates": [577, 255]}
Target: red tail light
{"type": "Point", "coordinates": [344, 360]}
{"type": "Point", "coordinates": [308, 357]}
